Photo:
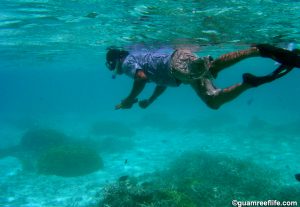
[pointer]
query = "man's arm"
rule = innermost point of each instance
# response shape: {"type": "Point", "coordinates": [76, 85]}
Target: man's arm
{"type": "Point", "coordinates": [157, 92]}
{"type": "Point", "coordinates": [138, 86]}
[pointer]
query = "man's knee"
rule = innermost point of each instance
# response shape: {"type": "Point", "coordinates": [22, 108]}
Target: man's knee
{"type": "Point", "coordinates": [213, 103]}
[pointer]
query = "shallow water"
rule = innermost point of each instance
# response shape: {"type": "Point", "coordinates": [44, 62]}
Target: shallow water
{"type": "Point", "coordinates": [52, 75]}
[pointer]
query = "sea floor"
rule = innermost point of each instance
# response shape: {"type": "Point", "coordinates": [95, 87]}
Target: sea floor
{"type": "Point", "coordinates": [153, 148]}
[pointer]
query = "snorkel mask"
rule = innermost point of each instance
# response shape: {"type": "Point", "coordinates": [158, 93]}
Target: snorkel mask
{"type": "Point", "coordinates": [112, 66]}
{"type": "Point", "coordinates": [113, 58]}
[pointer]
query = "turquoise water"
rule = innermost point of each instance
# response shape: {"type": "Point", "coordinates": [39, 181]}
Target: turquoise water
{"type": "Point", "coordinates": [53, 76]}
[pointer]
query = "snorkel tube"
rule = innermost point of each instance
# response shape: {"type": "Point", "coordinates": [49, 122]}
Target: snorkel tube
{"type": "Point", "coordinates": [114, 56]}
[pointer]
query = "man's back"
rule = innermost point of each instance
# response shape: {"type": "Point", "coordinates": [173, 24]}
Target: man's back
{"type": "Point", "coordinates": [154, 63]}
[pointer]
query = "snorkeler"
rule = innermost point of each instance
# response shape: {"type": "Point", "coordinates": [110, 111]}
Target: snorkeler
{"type": "Point", "coordinates": [170, 69]}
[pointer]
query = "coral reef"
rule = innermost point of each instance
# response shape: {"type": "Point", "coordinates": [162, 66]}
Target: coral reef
{"type": "Point", "coordinates": [215, 180]}
{"type": "Point", "coordinates": [69, 161]}
{"type": "Point", "coordinates": [49, 151]}
{"type": "Point", "coordinates": [32, 144]}
{"type": "Point", "coordinates": [200, 179]}
{"type": "Point", "coordinates": [39, 139]}
{"type": "Point", "coordinates": [135, 194]}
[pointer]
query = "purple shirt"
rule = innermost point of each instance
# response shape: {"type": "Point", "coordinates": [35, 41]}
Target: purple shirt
{"type": "Point", "coordinates": [155, 64]}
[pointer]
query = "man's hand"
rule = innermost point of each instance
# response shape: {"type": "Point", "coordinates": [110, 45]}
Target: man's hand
{"type": "Point", "coordinates": [144, 103]}
{"type": "Point", "coordinates": [140, 75]}
{"type": "Point", "coordinates": [126, 104]}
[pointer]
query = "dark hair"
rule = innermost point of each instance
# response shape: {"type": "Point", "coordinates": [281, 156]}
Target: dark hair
{"type": "Point", "coordinates": [112, 55]}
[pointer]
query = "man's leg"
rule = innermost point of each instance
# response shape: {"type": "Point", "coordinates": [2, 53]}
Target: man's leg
{"type": "Point", "coordinates": [215, 97]}
{"type": "Point", "coordinates": [285, 57]}
{"type": "Point", "coordinates": [232, 58]}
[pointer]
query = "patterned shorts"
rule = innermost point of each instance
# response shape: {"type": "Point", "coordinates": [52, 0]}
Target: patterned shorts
{"type": "Point", "coordinates": [187, 67]}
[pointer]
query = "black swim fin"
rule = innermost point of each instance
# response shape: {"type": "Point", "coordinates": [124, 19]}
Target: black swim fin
{"type": "Point", "coordinates": [285, 57]}
{"type": "Point", "coordinates": [297, 176]}
{"type": "Point", "coordinates": [257, 81]}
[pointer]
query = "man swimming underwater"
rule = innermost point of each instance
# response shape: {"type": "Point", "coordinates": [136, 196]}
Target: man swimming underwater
{"type": "Point", "coordinates": [182, 66]}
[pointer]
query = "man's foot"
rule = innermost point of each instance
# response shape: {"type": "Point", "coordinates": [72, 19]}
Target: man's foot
{"type": "Point", "coordinates": [255, 80]}
{"type": "Point", "coordinates": [282, 56]}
